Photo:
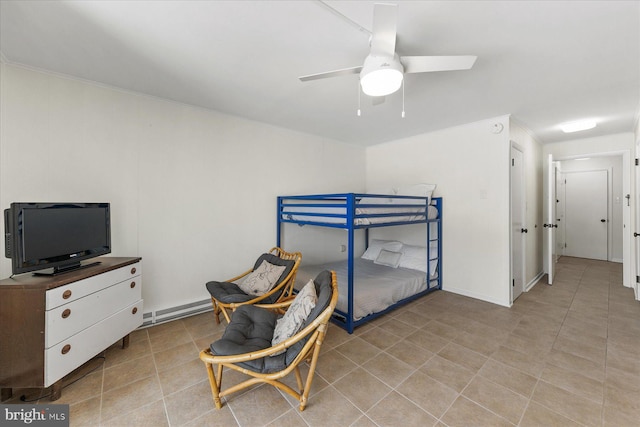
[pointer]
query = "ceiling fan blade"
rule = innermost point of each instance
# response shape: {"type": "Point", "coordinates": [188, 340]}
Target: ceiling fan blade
{"type": "Point", "coordinates": [335, 73]}
{"type": "Point", "coordinates": [383, 38]}
{"type": "Point", "coordinates": [423, 64]}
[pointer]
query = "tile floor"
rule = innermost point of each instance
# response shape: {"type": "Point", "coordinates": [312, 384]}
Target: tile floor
{"type": "Point", "coordinates": [562, 355]}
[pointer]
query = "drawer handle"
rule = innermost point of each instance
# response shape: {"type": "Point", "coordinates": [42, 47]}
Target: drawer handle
{"type": "Point", "coordinates": [66, 349]}
{"type": "Point", "coordinates": [66, 294]}
{"type": "Point", "coordinates": [134, 310]}
{"type": "Point", "coordinates": [66, 313]}
{"type": "Point", "coordinates": [133, 270]}
{"type": "Point", "coordinates": [133, 285]}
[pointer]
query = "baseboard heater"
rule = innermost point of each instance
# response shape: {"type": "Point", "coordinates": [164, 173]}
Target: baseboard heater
{"type": "Point", "coordinates": [165, 315]}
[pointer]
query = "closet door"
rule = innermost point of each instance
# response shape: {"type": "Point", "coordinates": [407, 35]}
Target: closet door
{"type": "Point", "coordinates": [586, 195]}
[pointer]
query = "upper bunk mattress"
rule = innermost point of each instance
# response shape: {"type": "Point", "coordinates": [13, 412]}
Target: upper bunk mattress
{"type": "Point", "coordinates": [325, 214]}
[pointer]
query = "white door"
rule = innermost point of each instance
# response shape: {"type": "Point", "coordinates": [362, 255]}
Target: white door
{"type": "Point", "coordinates": [586, 218]}
{"type": "Point", "coordinates": [551, 225]}
{"type": "Point", "coordinates": [518, 227]}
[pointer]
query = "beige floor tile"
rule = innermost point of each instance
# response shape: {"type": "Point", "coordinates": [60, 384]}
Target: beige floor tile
{"type": "Point", "coordinates": [397, 411]}
{"type": "Point", "coordinates": [128, 372]}
{"type": "Point", "coordinates": [170, 339]}
{"type": "Point", "coordinates": [388, 369]}
{"type": "Point", "coordinates": [464, 412]}
{"type": "Point", "coordinates": [330, 408]}
{"type": "Point", "coordinates": [624, 401]}
{"type": "Point", "coordinates": [410, 354]}
{"type": "Point", "coordinates": [167, 359]}
{"type": "Point", "coordinates": [214, 418]}
{"type": "Point", "coordinates": [537, 415]}
{"type": "Point", "coordinates": [576, 363]}
{"type": "Point", "coordinates": [358, 350]}
{"type": "Point", "coordinates": [332, 366]}
{"type": "Point", "coordinates": [511, 378]}
{"type": "Point", "coordinates": [429, 394]}
{"type": "Point", "coordinates": [362, 389]}
{"type": "Point", "coordinates": [380, 338]}
{"type": "Point", "coordinates": [424, 339]}
{"type": "Point", "coordinates": [260, 406]}
{"type": "Point", "coordinates": [463, 356]}
{"type": "Point", "coordinates": [186, 405]}
{"type": "Point", "coordinates": [448, 332]}
{"type": "Point", "coordinates": [116, 354]}
{"type": "Point", "coordinates": [498, 399]}
{"type": "Point", "coordinates": [182, 376]}
{"type": "Point", "coordinates": [291, 418]}
{"type": "Point", "coordinates": [397, 327]}
{"type": "Point", "coordinates": [448, 373]}
{"type": "Point", "coordinates": [122, 400]}
{"type": "Point", "coordinates": [151, 415]}
{"type": "Point", "coordinates": [88, 387]}
{"type": "Point", "coordinates": [572, 406]}
{"type": "Point", "coordinates": [85, 413]}
{"type": "Point", "coordinates": [525, 362]}
{"type": "Point", "coordinates": [574, 382]}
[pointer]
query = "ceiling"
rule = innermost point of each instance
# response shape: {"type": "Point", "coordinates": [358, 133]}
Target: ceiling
{"type": "Point", "coordinates": [543, 62]}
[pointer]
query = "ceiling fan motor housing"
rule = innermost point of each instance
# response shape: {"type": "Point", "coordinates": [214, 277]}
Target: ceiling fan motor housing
{"type": "Point", "coordinates": [381, 75]}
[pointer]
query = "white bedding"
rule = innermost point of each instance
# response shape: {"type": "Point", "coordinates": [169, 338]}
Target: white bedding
{"type": "Point", "coordinates": [296, 213]}
{"type": "Point", "coordinates": [376, 287]}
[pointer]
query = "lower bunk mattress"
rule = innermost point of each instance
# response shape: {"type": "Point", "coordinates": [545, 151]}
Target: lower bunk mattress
{"type": "Point", "coordinates": [376, 287]}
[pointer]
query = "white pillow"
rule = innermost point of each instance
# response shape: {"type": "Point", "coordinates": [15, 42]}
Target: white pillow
{"type": "Point", "coordinates": [295, 316]}
{"type": "Point", "coordinates": [420, 190]}
{"type": "Point", "coordinates": [388, 258]}
{"type": "Point", "coordinates": [375, 246]}
{"type": "Point", "coordinates": [262, 279]}
{"type": "Point", "coordinates": [414, 257]}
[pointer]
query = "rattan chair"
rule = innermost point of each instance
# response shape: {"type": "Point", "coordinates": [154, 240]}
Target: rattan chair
{"type": "Point", "coordinates": [227, 296]}
{"type": "Point", "coordinates": [250, 331]}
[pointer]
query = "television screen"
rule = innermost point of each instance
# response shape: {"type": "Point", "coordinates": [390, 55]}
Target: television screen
{"type": "Point", "coordinates": [56, 235]}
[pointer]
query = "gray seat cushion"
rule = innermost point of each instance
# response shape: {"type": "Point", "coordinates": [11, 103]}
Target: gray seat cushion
{"type": "Point", "coordinates": [227, 292]}
{"type": "Point", "coordinates": [251, 328]}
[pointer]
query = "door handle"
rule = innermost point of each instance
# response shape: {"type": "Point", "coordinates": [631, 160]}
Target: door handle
{"type": "Point", "coordinates": [524, 230]}
{"type": "Point", "coordinates": [603, 220]}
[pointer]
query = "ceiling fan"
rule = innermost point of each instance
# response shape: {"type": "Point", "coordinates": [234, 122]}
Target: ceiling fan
{"type": "Point", "coordinates": [383, 70]}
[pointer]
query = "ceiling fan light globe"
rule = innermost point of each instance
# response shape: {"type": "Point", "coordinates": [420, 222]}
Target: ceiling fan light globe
{"type": "Point", "coordinates": [381, 82]}
{"type": "Point", "coordinates": [381, 75]}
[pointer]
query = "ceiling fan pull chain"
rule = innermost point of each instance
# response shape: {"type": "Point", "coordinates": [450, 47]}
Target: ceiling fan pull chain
{"type": "Point", "coordinates": [359, 98]}
{"type": "Point", "coordinates": [403, 98]}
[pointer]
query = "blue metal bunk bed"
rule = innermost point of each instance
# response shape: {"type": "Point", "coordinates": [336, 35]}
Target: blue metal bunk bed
{"type": "Point", "coordinates": [352, 211]}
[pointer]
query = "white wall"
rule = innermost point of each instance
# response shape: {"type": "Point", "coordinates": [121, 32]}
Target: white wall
{"type": "Point", "coordinates": [193, 192]}
{"type": "Point", "coordinates": [532, 151]}
{"type": "Point", "coordinates": [470, 165]}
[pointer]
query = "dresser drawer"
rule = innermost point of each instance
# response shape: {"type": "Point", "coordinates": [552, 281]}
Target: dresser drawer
{"type": "Point", "coordinates": [69, 319]}
{"type": "Point", "coordinates": [67, 355]}
{"type": "Point", "coordinates": [73, 291]}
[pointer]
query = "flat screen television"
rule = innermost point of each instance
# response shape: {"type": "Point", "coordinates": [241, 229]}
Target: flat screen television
{"type": "Point", "coordinates": [55, 237]}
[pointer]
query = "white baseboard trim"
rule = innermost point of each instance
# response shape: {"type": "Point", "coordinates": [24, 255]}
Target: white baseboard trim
{"type": "Point", "coordinates": [533, 282]}
{"type": "Point", "coordinates": [474, 295]}
{"type": "Point", "coordinates": [618, 260]}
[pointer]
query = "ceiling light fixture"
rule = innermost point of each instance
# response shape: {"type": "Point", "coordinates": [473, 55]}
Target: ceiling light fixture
{"type": "Point", "coordinates": [381, 75]}
{"type": "Point", "coordinates": [578, 126]}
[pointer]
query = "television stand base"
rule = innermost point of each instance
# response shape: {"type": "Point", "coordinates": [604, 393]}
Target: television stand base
{"type": "Point", "coordinates": [56, 271]}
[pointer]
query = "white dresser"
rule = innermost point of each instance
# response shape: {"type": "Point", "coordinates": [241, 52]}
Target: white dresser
{"type": "Point", "coordinates": [49, 326]}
